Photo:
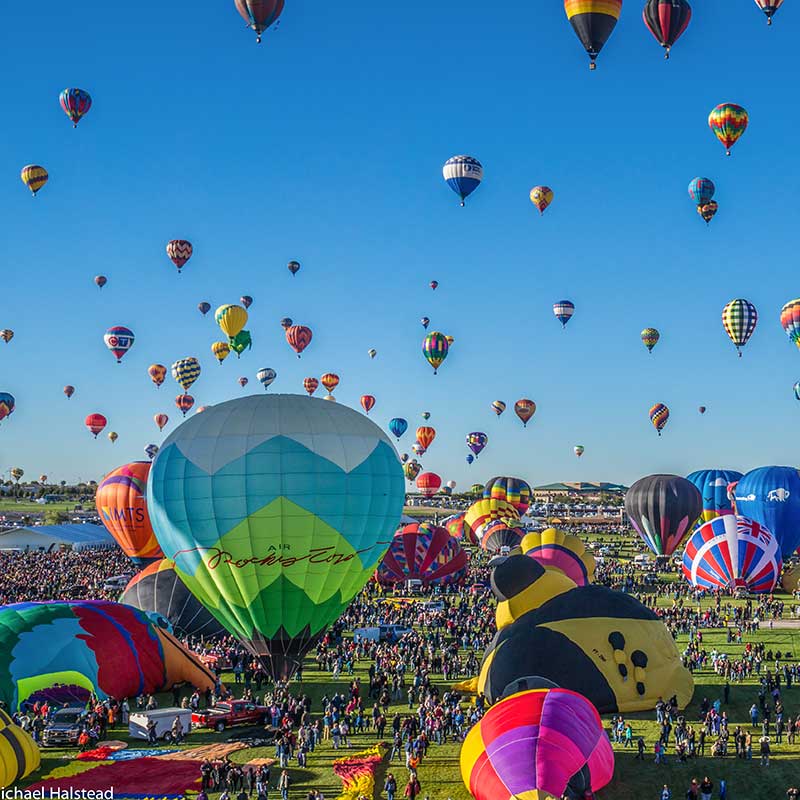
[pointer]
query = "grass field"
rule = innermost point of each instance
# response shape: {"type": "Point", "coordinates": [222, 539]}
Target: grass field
{"type": "Point", "coordinates": [29, 507]}
{"type": "Point", "coordinates": [634, 780]}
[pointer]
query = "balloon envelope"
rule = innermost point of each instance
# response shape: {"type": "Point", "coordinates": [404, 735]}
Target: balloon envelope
{"type": "Point", "coordinates": [513, 490]}
{"type": "Point", "coordinates": [713, 487]}
{"type": "Point", "coordinates": [425, 552]}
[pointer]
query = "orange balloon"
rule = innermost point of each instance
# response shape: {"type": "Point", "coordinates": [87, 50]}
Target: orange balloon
{"type": "Point", "coordinates": [330, 381]}
{"type": "Point", "coordinates": [122, 504]}
{"type": "Point", "coordinates": [425, 436]}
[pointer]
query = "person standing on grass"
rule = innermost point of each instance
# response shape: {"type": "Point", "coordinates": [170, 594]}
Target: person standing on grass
{"type": "Point", "coordinates": [413, 788]}
{"type": "Point", "coordinates": [390, 786]}
{"type": "Point", "coordinates": [640, 747]}
{"type": "Point", "coordinates": [283, 785]}
{"type": "Point", "coordinates": [706, 788]}
{"type": "Point", "coordinates": [764, 742]}
{"type": "Point", "coordinates": [666, 794]}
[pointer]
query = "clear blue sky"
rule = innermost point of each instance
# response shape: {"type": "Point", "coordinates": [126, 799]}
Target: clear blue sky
{"type": "Point", "coordinates": [325, 144]}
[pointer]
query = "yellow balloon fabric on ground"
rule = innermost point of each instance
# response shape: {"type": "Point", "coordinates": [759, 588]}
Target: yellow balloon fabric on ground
{"type": "Point", "coordinates": [19, 755]}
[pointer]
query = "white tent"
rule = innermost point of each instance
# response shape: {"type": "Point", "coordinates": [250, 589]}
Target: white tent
{"type": "Point", "coordinates": [47, 537]}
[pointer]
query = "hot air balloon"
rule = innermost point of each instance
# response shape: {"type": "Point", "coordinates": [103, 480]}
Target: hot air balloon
{"type": "Point", "coordinates": [76, 103]}
{"type": "Point", "coordinates": [434, 285]}
{"type": "Point", "coordinates": [562, 552]}
{"type": "Point", "coordinates": [463, 175]}
{"type": "Point", "coordinates": [259, 14]}
{"type": "Point", "coordinates": [739, 317]}
{"type": "Point", "coordinates": [310, 385]}
{"type": "Point", "coordinates": [179, 252]}
{"type": "Point", "coordinates": [500, 536]}
{"type": "Point", "coordinates": [404, 457]}
{"type": "Point", "coordinates": [277, 553]}
{"type": "Point", "coordinates": [663, 509]}
{"type": "Point", "coordinates": [294, 267]}
{"type": "Point", "coordinates": [728, 122]}
{"type": "Point", "coordinates": [161, 420]}
{"type": "Point", "coordinates": [435, 348]}
{"type": "Point", "coordinates": [69, 391]}
{"type": "Point", "coordinates": [525, 409]}
{"type": "Point", "coordinates": [246, 300]}
{"type": "Point", "coordinates": [95, 423]}
{"type": "Point", "coordinates": [424, 552]}
{"type": "Point", "coordinates": [204, 307]}
{"type": "Point", "coordinates": [398, 427]}
{"type": "Point", "coordinates": [243, 381]}
{"type": "Point", "coordinates": [266, 376]}
{"type": "Point", "coordinates": [498, 406]}
{"type": "Point", "coordinates": [456, 528]}
{"type": "Point", "coordinates": [425, 436]}
{"type": "Point", "coordinates": [411, 469]}
{"type": "Point", "coordinates": [184, 402]}
{"type": "Point", "coordinates": [231, 319]}
{"type": "Point", "coordinates": [367, 402]}
{"type": "Point", "coordinates": [541, 197]}
{"type": "Point", "coordinates": [487, 510]}
{"type": "Point", "coordinates": [579, 450]}
{"type": "Point", "coordinates": [771, 497]}
{"type": "Point", "coordinates": [119, 340]}
{"type": "Point", "coordinates": [542, 743]}
{"type": "Point", "coordinates": [19, 754]}
{"type": "Point", "coordinates": [650, 337]}
{"type": "Point", "coordinates": [593, 21]}
{"type": "Point", "coordinates": [186, 371]}
{"type": "Point", "coordinates": [113, 436]}
{"type": "Point", "coordinates": [563, 310]}
{"type": "Point", "coordinates": [429, 484]}
{"type": "Point", "coordinates": [667, 20]}
{"type": "Point", "coordinates": [425, 322]}
{"type": "Point", "coordinates": [151, 450]}
{"type": "Point", "coordinates": [372, 352]}
{"type": "Point", "coordinates": [330, 381]}
{"type": "Point", "coordinates": [659, 414]}
{"type": "Point", "coordinates": [701, 190]}
{"type": "Point", "coordinates": [470, 458]}
{"type": "Point", "coordinates": [34, 177]}
{"type": "Point", "coordinates": [241, 342]}
{"type": "Point", "coordinates": [515, 491]}
{"type": "Point", "coordinates": [418, 449]}
{"type": "Point", "coordinates": [451, 485]}
{"type": "Point", "coordinates": [157, 373]}
{"type": "Point", "coordinates": [769, 7]}
{"type": "Point", "coordinates": [298, 337]}
{"type": "Point", "coordinates": [7, 405]}
{"type": "Point", "coordinates": [790, 320]}
{"type": "Point", "coordinates": [100, 281]}
{"type": "Point", "coordinates": [426, 415]}
{"type": "Point", "coordinates": [221, 350]}
{"type": "Point", "coordinates": [713, 487]}
{"type": "Point", "coordinates": [450, 340]}
{"type": "Point", "coordinates": [17, 473]}
{"type": "Point", "coordinates": [733, 552]}
{"type": "Point", "coordinates": [708, 210]}
{"type": "Point", "coordinates": [6, 335]}
{"type": "Point", "coordinates": [476, 441]}
{"type": "Point", "coordinates": [702, 409]}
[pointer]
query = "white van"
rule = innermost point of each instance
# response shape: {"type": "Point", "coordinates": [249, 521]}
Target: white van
{"type": "Point", "coordinates": [642, 560]}
{"type": "Point", "coordinates": [163, 717]}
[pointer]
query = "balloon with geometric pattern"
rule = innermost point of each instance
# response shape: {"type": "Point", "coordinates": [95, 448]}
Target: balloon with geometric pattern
{"type": "Point", "coordinates": [739, 318]}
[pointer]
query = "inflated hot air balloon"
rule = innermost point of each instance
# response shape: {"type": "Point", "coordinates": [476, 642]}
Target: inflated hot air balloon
{"type": "Point", "coordinates": [713, 487]}
{"type": "Point", "coordinates": [179, 252]}
{"type": "Point", "coordinates": [739, 317]}
{"type": "Point", "coordinates": [204, 307]}
{"type": "Point", "coordinates": [259, 14]}
{"type": "Point", "coordinates": [541, 197]}
{"type": "Point", "coordinates": [435, 347]}
{"type": "Point", "coordinates": [100, 281]}
{"type": "Point", "coordinates": [161, 420]}
{"type": "Point", "coordinates": [702, 409]}
{"type": "Point", "coordinates": [562, 552]}
{"type": "Point", "coordinates": [398, 426]}
{"type": "Point", "coordinates": [429, 484]}
{"type": "Point", "coordinates": [7, 405]}
{"type": "Point", "coordinates": [19, 754]}
{"type": "Point", "coordinates": [184, 402]}
{"type": "Point", "coordinates": [330, 381]}
{"type": "Point", "coordinates": [500, 536]}
{"type": "Point", "coordinates": [701, 190]}
{"type": "Point", "coordinates": [667, 20]}
{"type": "Point", "coordinates": [294, 267]}
{"type": "Point", "coordinates": [790, 320]}
{"type": "Point", "coordinates": [659, 416]}
{"type": "Point", "coordinates": [662, 510]}
{"type": "Point", "coordinates": [367, 402]}
{"type": "Point", "coordinates": [425, 322]}
{"type": "Point", "coordinates": [310, 385]}
{"type": "Point", "coordinates": [266, 376]}
{"type": "Point", "coordinates": [186, 371]}
{"type": "Point", "coordinates": [728, 122]}
{"type": "Point", "coordinates": [298, 337]}
{"type": "Point", "coordinates": [34, 177]}
{"type": "Point", "coordinates": [593, 21]}
{"type": "Point", "coordinates": [498, 406]}
{"type": "Point", "coordinates": [151, 450]}
{"type": "Point", "coordinates": [426, 415]}
{"type": "Point", "coordinates": [243, 381]}
{"type": "Point", "coordinates": [537, 744]}
{"type": "Point", "coordinates": [733, 552]}
{"type": "Point", "coordinates": [231, 319]}
{"type": "Point", "coordinates": [119, 340]}
{"type": "Point", "coordinates": [418, 449]}
{"type": "Point", "coordinates": [113, 436]}
{"type": "Point", "coordinates": [404, 457]}
{"type": "Point", "coordinates": [513, 490]}
{"type": "Point", "coordinates": [476, 441]}
{"type": "Point", "coordinates": [579, 450]}
{"type": "Point", "coordinates": [17, 473]}
{"type": "Point", "coordinates": [121, 501]}
{"type": "Point", "coordinates": [470, 458]}
{"type": "Point", "coordinates": [463, 175]}
{"type": "Point", "coordinates": [450, 340]}
{"type": "Point", "coordinates": [283, 508]}
{"type": "Point", "coordinates": [769, 7]}
{"type": "Point", "coordinates": [246, 300]}
{"type": "Point", "coordinates": [6, 335]}
{"type": "Point", "coordinates": [157, 373]}
{"type": "Point", "coordinates": [221, 350]}
{"type": "Point", "coordinates": [95, 423]}
{"type": "Point", "coordinates": [241, 342]}
{"type": "Point", "coordinates": [563, 311]}
{"type": "Point", "coordinates": [456, 528]}
{"type": "Point", "coordinates": [434, 285]}
{"type": "Point", "coordinates": [411, 469]}
{"type": "Point", "coordinates": [372, 352]}
{"type": "Point", "coordinates": [286, 322]}
{"type": "Point", "coordinates": [488, 510]}
{"type": "Point", "coordinates": [76, 103]}
{"type": "Point", "coordinates": [425, 436]}
{"type": "Point", "coordinates": [525, 409]}
{"type": "Point", "coordinates": [424, 552]}
{"type": "Point", "coordinates": [69, 391]}
{"type": "Point", "coordinates": [650, 337]}
{"type": "Point", "coordinates": [451, 485]}
{"type": "Point", "coordinates": [708, 210]}
{"type": "Point", "coordinates": [158, 590]}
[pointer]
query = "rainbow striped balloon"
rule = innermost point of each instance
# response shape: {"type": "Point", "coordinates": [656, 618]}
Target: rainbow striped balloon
{"type": "Point", "coordinates": [729, 122]}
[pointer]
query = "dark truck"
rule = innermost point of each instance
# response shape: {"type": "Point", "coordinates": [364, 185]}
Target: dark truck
{"type": "Point", "coordinates": [63, 728]}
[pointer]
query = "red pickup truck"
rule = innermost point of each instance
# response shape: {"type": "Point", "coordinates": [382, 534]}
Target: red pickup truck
{"type": "Point", "coordinates": [226, 714]}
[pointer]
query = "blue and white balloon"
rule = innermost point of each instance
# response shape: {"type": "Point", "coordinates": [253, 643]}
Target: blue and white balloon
{"type": "Point", "coordinates": [463, 175]}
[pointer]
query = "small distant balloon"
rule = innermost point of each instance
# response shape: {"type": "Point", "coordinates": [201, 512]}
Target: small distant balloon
{"type": "Point", "coordinates": [100, 281]}
{"type": "Point", "coordinates": [76, 104]}
{"type": "Point", "coordinates": [476, 441]}
{"type": "Point", "coordinates": [541, 197]}
{"type": "Point", "coordinates": [151, 450]}
{"type": "Point", "coordinates": [221, 350]}
{"type": "Point", "coordinates": [579, 450]}
{"type": "Point", "coordinates": [243, 381]}
{"type": "Point", "coordinates": [157, 373]}
{"type": "Point", "coordinates": [310, 385]}
{"type": "Point", "coordinates": [659, 415]}
{"type": "Point", "coordinates": [330, 381]}
{"type": "Point", "coordinates": [161, 420]}
{"type": "Point", "coordinates": [6, 335]}
{"type": "Point", "coordinates": [95, 423]}
{"type": "Point", "coordinates": [266, 376]}
{"type": "Point", "coordinates": [299, 337]}
{"type": "Point", "coordinates": [286, 322]}
{"type": "Point", "coordinates": [113, 436]}
{"type": "Point", "coordinates": [34, 177]}
{"type": "Point", "coordinates": [398, 426]}
{"type": "Point", "coordinates": [204, 307]}
{"type": "Point", "coordinates": [769, 7]}
{"type": "Point", "coordinates": [701, 190]}
{"type": "Point", "coordinates": [259, 14]}
{"type": "Point", "coordinates": [708, 210]}
{"type": "Point", "coordinates": [7, 405]}
{"type": "Point", "coordinates": [372, 352]}
{"type": "Point", "coordinates": [179, 252]}
{"type": "Point", "coordinates": [650, 337]}
{"type": "Point", "coordinates": [294, 267]}
{"type": "Point", "coordinates": [367, 402]}
{"type": "Point", "coordinates": [425, 322]}
{"type": "Point", "coordinates": [463, 175]}
{"type": "Point", "coordinates": [702, 409]}
{"type": "Point", "coordinates": [563, 311]}
{"type": "Point", "coordinates": [498, 406]}
{"type": "Point", "coordinates": [434, 285]}
{"type": "Point", "coordinates": [426, 415]}
{"type": "Point", "coordinates": [525, 409]}
{"type": "Point", "coordinates": [728, 122]}
{"type": "Point", "coordinates": [69, 391]}
{"type": "Point", "coordinates": [470, 458]}
{"type": "Point", "coordinates": [184, 402]}
{"type": "Point", "coordinates": [119, 340]}
{"type": "Point", "coordinates": [435, 347]}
